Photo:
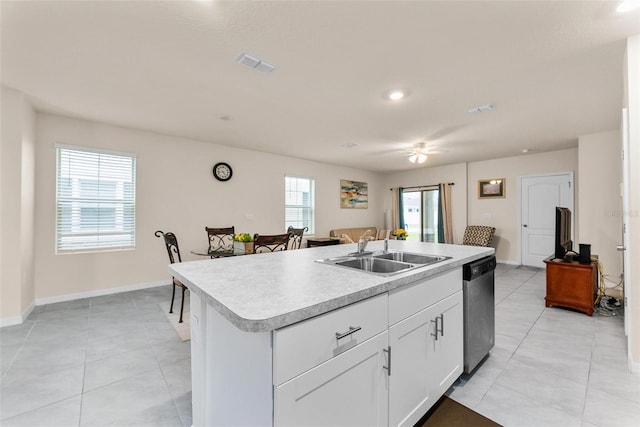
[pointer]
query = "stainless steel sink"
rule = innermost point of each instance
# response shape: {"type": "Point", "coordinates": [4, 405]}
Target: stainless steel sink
{"type": "Point", "coordinates": [375, 265]}
{"type": "Point", "coordinates": [384, 263]}
{"type": "Point", "coordinates": [411, 257]}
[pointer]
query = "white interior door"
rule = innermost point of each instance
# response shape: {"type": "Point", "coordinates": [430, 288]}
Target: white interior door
{"type": "Point", "coordinates": [539, 196]}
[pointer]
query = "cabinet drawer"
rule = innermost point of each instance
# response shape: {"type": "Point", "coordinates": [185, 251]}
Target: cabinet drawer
{"type": "Point", "coordinates": [348, 390]}
{"type": "Point", "coordinates": [300, 347]}
{"type": "Point", "coordinates": [406, 301]}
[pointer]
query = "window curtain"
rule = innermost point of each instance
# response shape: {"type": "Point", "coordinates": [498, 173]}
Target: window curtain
{"type": "Point", "coordinates": [397, 217]}
{"type": "Point", "coordinates": [445, 228]}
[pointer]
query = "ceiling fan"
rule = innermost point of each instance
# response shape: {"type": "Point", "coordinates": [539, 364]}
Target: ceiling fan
{"type": "Point", "coordinates": [418, 154]}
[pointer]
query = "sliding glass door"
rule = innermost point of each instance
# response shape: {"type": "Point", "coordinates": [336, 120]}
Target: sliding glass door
{"type": "Point", "coordinates": [420, 214]}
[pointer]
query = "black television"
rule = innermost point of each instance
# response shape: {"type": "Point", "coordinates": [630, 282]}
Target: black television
{"type": "Point", "coordinates": [563, 240]}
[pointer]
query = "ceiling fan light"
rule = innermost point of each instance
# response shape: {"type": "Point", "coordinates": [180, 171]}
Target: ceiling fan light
{"type": "Point", "coordinates": [413, 158]}
{"type": "Point", "coordinates": [422, 158]}
{"type": "Point", "coordinates": [396, 95]}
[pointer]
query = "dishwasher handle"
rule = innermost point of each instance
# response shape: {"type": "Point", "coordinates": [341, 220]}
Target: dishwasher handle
{"type": "Point", "coordinates": [475, 269]}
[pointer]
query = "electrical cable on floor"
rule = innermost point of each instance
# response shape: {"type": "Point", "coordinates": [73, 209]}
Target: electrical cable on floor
{"type": "Point", "coordinates": [604, 304]}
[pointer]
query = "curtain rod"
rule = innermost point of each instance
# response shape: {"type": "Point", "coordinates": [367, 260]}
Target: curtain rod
{"type": "Point", "coordinates": [423, 186]}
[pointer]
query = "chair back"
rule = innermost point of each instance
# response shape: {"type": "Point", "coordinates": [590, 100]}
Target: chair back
{"type": "Point", "coordinates": [295, 239]}
{"type": "Point", "coordinates": [171, 242]}
{"type": "Point", "coordinates": [272, 243]}
{"type": "Point", "coordinates": [478, 235]}
{"type": "Point", "coordinates": [220, 239]}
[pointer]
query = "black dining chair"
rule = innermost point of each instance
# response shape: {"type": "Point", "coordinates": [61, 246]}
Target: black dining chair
{"type": "Point", "coordinates": [220, 240]}
{"type": "Point", "coordinates": [171, 243]}
{"type": "Point", "coordinates": [295, 241]}
{"type": "Point", "coordinates": [270, 243]}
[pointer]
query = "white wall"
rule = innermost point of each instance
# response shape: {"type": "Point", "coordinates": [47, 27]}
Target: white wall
{"type": "Point", "coordinates": [503, 213]}
{"type": "Point", "coordinates": [600, 220]}
{"type": "Point", "coordinates": [177, 192]}
{"type": "Point", "coordinates": [456, 174]}
{"type": "Point", "coordinates": [17, 168]}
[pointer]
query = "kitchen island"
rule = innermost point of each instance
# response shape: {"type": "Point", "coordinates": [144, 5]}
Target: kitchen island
{"type": "Point", "coordinates": [280, 339]}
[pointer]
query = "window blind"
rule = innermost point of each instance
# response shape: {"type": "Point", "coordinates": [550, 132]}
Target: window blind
{"type": "Point", "coordinates": [95, 200]}
{"type": "Point", "coordinates": [299, 203]}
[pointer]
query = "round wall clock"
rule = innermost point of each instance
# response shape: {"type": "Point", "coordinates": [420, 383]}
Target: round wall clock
{"type": "Point", "coordinates": [222, 171]}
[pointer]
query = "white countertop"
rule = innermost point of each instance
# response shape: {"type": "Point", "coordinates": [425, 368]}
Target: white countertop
{"type": "Point", "coordinates": [263, 292]}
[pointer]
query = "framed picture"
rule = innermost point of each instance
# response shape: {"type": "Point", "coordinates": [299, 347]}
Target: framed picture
{"type": "Point", "coordinates": [353, 194]}
{"type": "Point", "coordinates": [491, 188]}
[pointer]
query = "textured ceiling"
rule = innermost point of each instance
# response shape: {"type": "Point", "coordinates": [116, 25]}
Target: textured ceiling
{"type": "Point", "coordinates": [553, 70]}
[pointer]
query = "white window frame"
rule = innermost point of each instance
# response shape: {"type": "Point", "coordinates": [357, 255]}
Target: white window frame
{"type": "Point", "coordinates": [301, 206]}
{"type": "Point", "coordinates": [80, 171]}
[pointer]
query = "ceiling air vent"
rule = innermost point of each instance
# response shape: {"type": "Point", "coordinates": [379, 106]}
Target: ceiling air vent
{"type": "Point", "coordinates": [255, 63]}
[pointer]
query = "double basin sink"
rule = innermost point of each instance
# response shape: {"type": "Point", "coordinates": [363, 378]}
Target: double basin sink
{"type": "Point", "coordinates": [384, 263]}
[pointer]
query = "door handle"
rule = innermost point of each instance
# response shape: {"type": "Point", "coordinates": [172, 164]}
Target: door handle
{"type": "Point", "coordinates": [524, 225]}
{"type": "Point", "coordinates": [620, 248]}
{"type": "Point", "coordinates": [441, 329]}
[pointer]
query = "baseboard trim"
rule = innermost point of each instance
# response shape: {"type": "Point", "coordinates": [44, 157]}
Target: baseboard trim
{"type": "Point", "coordinates": [18, 320]}
{"type": "Point", "coordinates": [506, 261]}
{"type": "Point", "coordinates": [100, 292]}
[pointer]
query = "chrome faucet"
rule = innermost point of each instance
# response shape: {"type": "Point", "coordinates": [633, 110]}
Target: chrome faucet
{"type": "Point", "coordinates": [386, 245]}
{"type": "Point", "coordinates": [362, 242]}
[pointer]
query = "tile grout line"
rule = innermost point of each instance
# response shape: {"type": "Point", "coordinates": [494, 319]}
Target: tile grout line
{"type": "Point", "coordinates": [164, 379]}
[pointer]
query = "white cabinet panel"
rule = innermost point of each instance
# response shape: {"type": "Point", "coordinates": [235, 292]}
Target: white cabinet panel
{"type": "Point", "coordinates": [302, 346]}
{"type": "Point", "coordinates": [348, 390]}
{"type": "Point", "coordinates": [409, 397]}
{"type": "Point", "coordinates": [406, 301]}
{"type": "Point", "coordinates": [446, 353]}
{"type": "Point", "coordinates": [426, 358]}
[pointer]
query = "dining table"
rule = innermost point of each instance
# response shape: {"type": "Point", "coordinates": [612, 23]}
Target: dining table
{"type": "Point", "coordinates": [219, 253]}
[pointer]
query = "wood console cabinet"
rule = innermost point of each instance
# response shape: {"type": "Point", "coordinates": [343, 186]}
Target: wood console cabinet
{"type": "Point", "coordinates": [571, 285]}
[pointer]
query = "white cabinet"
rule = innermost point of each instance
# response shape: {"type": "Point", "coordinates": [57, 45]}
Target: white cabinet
{"type": "Point", "coordinates": [426, 347]}
{"type": "Point", "coordinates": [348, 390]}
{"type": "Point", "coordinates": [446, 352]}
{"type": "Point", "coordinates": [409, 390]}
{"type": "Point", "coordinates": [376, 362]}
{"type": "Point", "coordinates": [300, 347]}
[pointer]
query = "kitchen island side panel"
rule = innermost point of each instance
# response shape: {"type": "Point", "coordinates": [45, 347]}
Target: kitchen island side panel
{"type": "Point", "coordinates": [232, 375]}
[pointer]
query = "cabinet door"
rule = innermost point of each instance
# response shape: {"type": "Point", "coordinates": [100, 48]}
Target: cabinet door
{"type": "Point", "coordinates": [445, 352]}
{"type": "Point", "coordinates": [350, 389]}
{"type": "Point", "coordinates": [409, 391]}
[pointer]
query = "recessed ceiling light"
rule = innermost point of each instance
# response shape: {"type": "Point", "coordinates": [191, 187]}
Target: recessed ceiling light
{"type": "Point", "coordinates": [225, 118]}
{"type": "Point", "coordinates": [628, 6]}
{"type": "Point", "coordinates": [396, 95]}
{"type": "Point", "coordinates": [525, 150]}
{"type": "Point", "coordinates": [349, 145]}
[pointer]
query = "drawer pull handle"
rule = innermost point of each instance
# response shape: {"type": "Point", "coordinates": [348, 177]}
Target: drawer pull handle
{"type": "Point", "coordinates": [351, 330]}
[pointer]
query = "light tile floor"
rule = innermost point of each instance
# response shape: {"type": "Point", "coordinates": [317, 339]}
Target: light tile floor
{"type": "Point", "coordinates": [112, 360]}
{"type": "Point", "coordinates": [116, 360]}
{"type": "Point", "coordinates": [551, 366]}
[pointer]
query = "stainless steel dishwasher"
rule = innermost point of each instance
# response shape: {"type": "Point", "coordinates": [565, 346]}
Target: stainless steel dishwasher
{"type": "Point", "coordinates": [478, 291]}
